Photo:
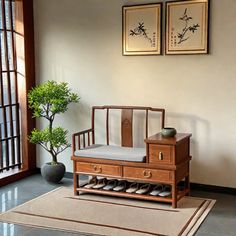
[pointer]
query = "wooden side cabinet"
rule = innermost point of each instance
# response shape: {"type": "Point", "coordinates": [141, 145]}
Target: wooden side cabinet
{"type": "Point", "coordinates": [171, 156]}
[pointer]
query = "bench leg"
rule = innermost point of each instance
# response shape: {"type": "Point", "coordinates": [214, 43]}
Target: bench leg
{"type": "Point", "coordinates": [187, 185]}
{"type": "Point", "coordinates": [76, 184]}
{"type": "Point", "coordinates": [174, 195]}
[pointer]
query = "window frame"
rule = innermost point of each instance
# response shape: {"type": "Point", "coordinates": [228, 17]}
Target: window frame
{"type": "Point", "coordinates": [25, 59]}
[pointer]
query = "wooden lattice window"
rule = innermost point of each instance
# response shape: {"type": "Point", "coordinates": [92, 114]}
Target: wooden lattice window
{"type": "Point", "coordinates": [9, 106]}
{"type": "Point", "coordinates": [17, 76]}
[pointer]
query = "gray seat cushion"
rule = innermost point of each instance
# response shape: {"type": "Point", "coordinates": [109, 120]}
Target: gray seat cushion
{"type": "Point", "coordinates": [113, 153]}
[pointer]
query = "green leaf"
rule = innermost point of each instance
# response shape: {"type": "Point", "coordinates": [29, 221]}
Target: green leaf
{"type": "Point", "coordinates": [50, 98]}
{"type": "Point", "coordinates": [54, 139]}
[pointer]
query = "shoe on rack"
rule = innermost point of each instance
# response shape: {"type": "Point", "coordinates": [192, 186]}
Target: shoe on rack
{"type": "Point", "coordinates": [132, 188]}
{"type": "Point", "coordinates": [157, 190]}
{"type": "Point", "coordinates": [91, 183]}
{"type": "Point", "coordinates": [110, 184]}
{"type": "Point", "coordinates": [100, 183]}
{"type": "Point", "coordinates": [144, 189]}
{"type": "Point", "coordinates": [166, 191]}
{"type": "Point", "coordinates": [121, 186]}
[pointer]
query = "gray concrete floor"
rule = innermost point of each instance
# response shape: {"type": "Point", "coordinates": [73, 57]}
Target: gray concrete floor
{"type": "Point", "coordinates": [221, 221]}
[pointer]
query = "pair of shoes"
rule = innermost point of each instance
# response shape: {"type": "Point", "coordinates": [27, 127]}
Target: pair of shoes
{"type": "Point", "coordinates": [111, 184]}
{"type": "Point", "coordinates": [96, 183]}
{"type": "Point", "coordinates": [144, 189]}
{"type": "Point", "coordinates": [157, 190]}
{"type": "Point", "coordinates": [160, 190]}
{"type": "Point", "coordinates": [100, 183]}
{"type": "Point", "coordinates": [166, 191]}
{"type": "Point", "coordinates": [91, 183]}
{"type": "Point", "coordinates": [136, 188]}
{"type": "Point", "coordinates": [121, 186]}
{"type": "Point", "coordinates": [132, 188]}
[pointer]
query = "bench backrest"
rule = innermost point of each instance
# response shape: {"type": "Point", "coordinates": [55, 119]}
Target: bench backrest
{"type": "Point", "coordinates": [126, 121]}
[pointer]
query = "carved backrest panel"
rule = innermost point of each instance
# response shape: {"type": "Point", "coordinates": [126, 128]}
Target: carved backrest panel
{"type": "Point", "coordinates": [127, 127]}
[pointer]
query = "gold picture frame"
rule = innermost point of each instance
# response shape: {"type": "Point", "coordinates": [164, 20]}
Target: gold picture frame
{"type": "Point", "coordinates": [142, 29]}
{"type": "Point", "coordinates": [187, 24]}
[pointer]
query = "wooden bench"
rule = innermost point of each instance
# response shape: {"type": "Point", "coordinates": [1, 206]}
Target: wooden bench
{"type": "Point", "coordinates": [161, 160]}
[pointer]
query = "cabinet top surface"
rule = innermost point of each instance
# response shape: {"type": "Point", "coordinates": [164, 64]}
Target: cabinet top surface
{"type": "Point", "coordinates": [159, 139]}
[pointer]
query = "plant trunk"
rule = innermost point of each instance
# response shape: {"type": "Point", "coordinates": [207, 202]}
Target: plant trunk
{"type": "Point", "coordinates": [54, 158]}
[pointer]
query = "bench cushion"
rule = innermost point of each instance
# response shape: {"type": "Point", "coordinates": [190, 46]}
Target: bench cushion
{"type": "Point", "coordinates": [113, 153]}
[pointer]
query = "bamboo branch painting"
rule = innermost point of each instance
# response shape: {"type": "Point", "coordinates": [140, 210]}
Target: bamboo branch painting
{"type": "Point", "coordinates": [140, 30]}
{"type": "Point", "coordinates": [188, 28]}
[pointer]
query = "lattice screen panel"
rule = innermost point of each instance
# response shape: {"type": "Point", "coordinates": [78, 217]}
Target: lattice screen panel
{"type": "Point", "coordinates": [10, 153]}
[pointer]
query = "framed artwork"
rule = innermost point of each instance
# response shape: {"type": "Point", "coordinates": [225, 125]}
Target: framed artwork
{"type": "Point", "coordinates": [187, 27]}
{"type": "Point", "coordinates": [142, 29]}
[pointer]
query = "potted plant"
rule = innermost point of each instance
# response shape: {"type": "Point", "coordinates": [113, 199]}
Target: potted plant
{"type": "Point", "coordinates": [47, 100]}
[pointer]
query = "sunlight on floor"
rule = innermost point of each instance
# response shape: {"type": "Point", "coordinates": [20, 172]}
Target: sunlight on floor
{"type": "Point", "coordinates": [6, 197]}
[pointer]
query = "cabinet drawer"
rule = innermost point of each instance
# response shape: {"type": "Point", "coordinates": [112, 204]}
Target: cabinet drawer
{"type": "Point", "coordinates": [92, 168]}
{"type": "Point", "coordinates": [151, 175]}
{"type": "Point", "coordinates": [162, 154]}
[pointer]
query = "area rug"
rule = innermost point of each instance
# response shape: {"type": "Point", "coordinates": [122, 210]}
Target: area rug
{"type": "Point", "coordinates": [102, 215]}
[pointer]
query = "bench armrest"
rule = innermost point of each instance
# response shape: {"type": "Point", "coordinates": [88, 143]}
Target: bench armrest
{"type": "Point", "coordinates": [82, 137]}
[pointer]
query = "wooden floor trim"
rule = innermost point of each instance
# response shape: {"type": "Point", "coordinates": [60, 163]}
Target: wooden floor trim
{"type": "Point", "coordinates": [15, 175]}
{"type": "Point", "coordinates": [213, 188]}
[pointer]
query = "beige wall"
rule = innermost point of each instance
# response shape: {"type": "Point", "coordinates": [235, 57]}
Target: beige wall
{"type": "Point", "coordinates": [80, 42]}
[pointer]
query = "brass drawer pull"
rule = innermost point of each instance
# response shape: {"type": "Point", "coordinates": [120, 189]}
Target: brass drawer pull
{"type": "Point", "coordinates": [161, 156]}
{"type": "Point", "coordinates": [97, 169]}
{"type": "Point", "coordinates": [147, 174]}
